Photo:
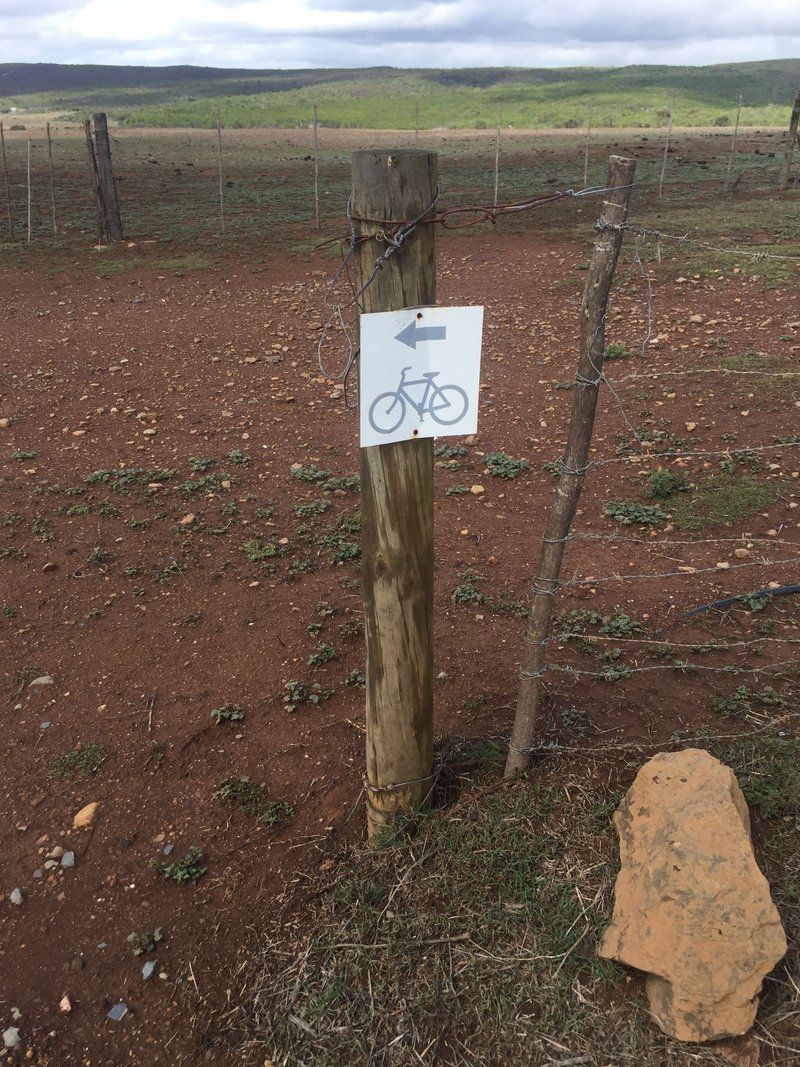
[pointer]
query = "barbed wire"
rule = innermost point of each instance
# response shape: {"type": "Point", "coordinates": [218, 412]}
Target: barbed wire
{"type": "Point", "coordinates": [645, 232]}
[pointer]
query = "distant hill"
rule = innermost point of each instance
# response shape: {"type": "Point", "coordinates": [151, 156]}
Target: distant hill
{"type": "Point", "coordinates": [385, 97]}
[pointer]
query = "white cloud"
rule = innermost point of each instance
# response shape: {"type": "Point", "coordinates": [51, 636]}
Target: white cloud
{"type": "Point", "coordinates": [447, 33]}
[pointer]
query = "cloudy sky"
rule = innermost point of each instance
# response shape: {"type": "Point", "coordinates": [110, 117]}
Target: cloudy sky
{"type": "Point", "coordinates": [405, 33]}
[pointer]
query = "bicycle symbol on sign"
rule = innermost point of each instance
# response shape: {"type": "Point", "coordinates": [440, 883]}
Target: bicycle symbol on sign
{"type": "Point", "coordinates": [446, 404]}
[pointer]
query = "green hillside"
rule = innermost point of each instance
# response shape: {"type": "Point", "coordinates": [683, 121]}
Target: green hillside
{"type": "Point", "coordinates": [385, 98]}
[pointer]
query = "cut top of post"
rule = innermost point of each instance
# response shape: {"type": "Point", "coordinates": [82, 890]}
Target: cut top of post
{"type": "Point", "coordinates": [394, 185]}
{"type": "Point", "coordinates": [390, 188]}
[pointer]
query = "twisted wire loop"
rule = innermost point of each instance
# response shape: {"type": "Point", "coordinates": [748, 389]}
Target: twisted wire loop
{"type": "Point", "coordinates": [645, 232]}
{"type": "Point", "coordinates": [394, 235]}
{"type": "Point", "coordinates": [394, 786]}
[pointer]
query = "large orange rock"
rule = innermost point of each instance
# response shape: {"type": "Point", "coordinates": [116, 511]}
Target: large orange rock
{"type": "Point", "coordinates": [691, 907]}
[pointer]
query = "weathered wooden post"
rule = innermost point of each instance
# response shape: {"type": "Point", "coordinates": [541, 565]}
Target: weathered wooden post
{"type": "Point", "coordinates": [666, 149]}
{"type": "Point", "coordinates": [108, 186]}
{"type": "Point", "coordinates": [397, 503]}
{"type": "Point", "coordinates": [497, 155]}
{"type": "Point", "coordinates": [594, 306]}
{"type": "Point", "coordinates": [29, 190]}
{"type": "Point", "coordinates": [791, 141]}
{"type": "Point", "coordinates": [220, 178]}
{"type": "Point", "coordinates": [96, 190]}
{"type": "Point", "coordinates": [5, 179]}
{"type": "Point", "coordinates": [316, 166]}
{"type": "Point", "coordinates": [52, 181]}
{"type": "Point", "coordinates": [586, 148]}
{"type": "Point", "coordinates": [733, 141]}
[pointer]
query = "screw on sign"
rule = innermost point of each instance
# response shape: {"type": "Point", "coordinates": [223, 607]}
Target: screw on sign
{"type": "Point", "coordinates": [433, 395]}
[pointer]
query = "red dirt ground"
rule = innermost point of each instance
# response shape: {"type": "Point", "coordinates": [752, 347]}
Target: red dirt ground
{"type": "Point", "coordinates": [140, 659]}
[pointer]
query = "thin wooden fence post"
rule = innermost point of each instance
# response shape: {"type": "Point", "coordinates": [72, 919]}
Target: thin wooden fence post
{"type": "Point", "coordinates": [96, 190]}
{"type": "Point", "coordinates": [733, 142]}
{"type": "Point", "coordinates": [594, 307]}
{"type": "Point", "coordinates": [397, 503]}
{"type": "Point", "coordinates": [6, 181]}
{"type": "Point", "coordinates": [29, 190]}
{"type": "Point", "coordinates": [666, 149]}
{"type": "Point", "coordinates": [52, 180]}
{"type": "Point", "coordinates": [416, 125]}
{"type": "Point", "coordinates": [586, 151]}
{"type": "Point", "coordinates": [221, 179]}
{"type": "Point", "coordinates": [497, 155]}
{"type": "Point", "coordinates": [788, 156]}
{"type": "Point", "coordinates": [105, 170]}
{"type": "Point", "coordinates": [316, 167]}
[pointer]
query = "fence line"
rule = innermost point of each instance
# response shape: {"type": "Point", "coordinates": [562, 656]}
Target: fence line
{"type": "Point", "coordinates": [140, 192]}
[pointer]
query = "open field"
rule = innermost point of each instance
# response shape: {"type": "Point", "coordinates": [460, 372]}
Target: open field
{"type": "Point", "coordinates": [387, 98]}
{"type": "Point", "coordinates": [196, 603]}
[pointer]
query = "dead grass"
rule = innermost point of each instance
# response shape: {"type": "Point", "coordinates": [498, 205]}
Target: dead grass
{"type": "Point", "coordinates": [471, 939]}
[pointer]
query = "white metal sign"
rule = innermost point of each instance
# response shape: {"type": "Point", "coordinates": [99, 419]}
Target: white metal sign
{"type": "Point", "coordinates": [419, 373]}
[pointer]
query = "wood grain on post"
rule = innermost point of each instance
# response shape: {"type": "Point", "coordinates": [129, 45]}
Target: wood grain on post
{"type": "Point", "coordinates": [7, 184]}
{"type": "Point", "coordinates": [594, 306]}
{"type": "Point", "coordinates": [96, 189]}
{"type": "Point", "coordinates": [105, 170]}
{"type": "Point", "coordinates": [397, 504]}
{"type": "Point", "coordinates": [788, 156]}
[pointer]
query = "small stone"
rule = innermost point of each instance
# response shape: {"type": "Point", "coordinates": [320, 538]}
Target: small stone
{"type": "Point", "coordinates": [65, 1005]}
{"type": "Point", "coordinates": [68, 859]}
{"type": "Point", "coordinates": [55, 853]}
{"type": "Point", "coordinates": [695, 318]}
{"type": "Point", "coordinates": [149, 970]}
{"type": "Point", "coordinates": [11, 1037]}
{"type": "Point", "coordinates": [16, 896]}
{"type": "Point", "coordinates": [85, 818]}
{"type": "Point", "coordinates": [187, 520]}
{"type": "Point", "coordinates": [722, 565]}
{"type": "Point", "coordinates": [149, 432]}
{"type": "Point", "coordinates": [477, 490]}
{"type": "Point", "coordinates": [119, 1011]}
{"type": "Point", "coordinates": [38, 874]}
{"type": "Point", "coordinates": [43, 679]}
{"type": "Point", "coordinates": [4, 424]}
{"type": "Point", "coordinates": [741, 553]}
{"type": "Point", "coordinates": [51, 865]}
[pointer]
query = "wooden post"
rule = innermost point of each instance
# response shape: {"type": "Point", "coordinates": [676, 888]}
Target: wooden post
{"type": "Point", "coordinates": [29, 190]}
{"type": "Point", "coordinates": [666, 148]}
{"type": "Point", "coordinates": [497, 155]}
{"type": "Point", "coordinates": [316, 168]}
{"type": "Point", "coordinates": [97, 191]}
{"type": "Point", "coordinates": [786, 170]}
{"type": "Point", "coordinates": [733, 142]}
{"type": "Point", "coordinates": [52, 181]}
{"type": "Point", "coordinates": [416, 125]}
{"type": "Point", "coordinates": [397, 504]}
{"type": "Point", "coordinates": [220, 176]}
{"type": "Point", "coordinates": [586, 150]}
{"type": "Point", "coordinates": [594, 306]}
{"type": "Point", "coordinates": [7, 185]}
{"type": "Point", "coordinates": [105, 170]}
